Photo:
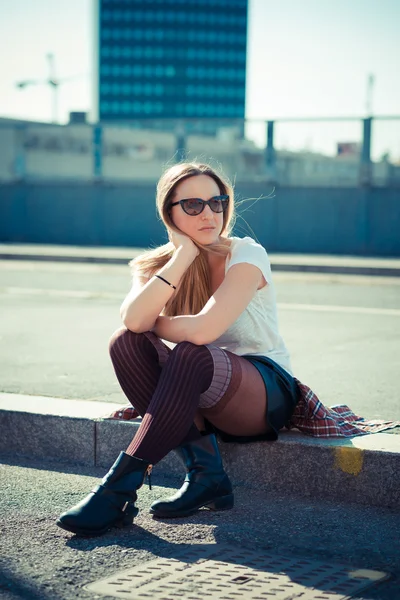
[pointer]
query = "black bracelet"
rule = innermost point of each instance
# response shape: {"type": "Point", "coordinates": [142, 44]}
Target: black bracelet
{"type": "Point", "coordinates": [167, 282]}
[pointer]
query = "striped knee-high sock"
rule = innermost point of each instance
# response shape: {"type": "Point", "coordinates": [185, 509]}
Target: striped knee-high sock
{"type": "Point", "coordinates": [169, 416]}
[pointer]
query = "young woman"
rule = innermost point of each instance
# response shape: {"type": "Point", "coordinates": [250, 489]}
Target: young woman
{"type": "Point", "coordinates": [200, 353]}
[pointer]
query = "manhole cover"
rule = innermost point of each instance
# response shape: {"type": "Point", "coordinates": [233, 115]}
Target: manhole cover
{"type": "Point", "coordinates": [223, 572]}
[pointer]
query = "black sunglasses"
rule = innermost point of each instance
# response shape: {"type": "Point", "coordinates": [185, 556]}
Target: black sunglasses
{"type": "Point", "coordinates": [194, 206]}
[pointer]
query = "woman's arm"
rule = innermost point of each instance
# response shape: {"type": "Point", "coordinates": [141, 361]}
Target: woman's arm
{"type": "Point", "coordinates": [140, 310]}
{"type": "Point", "coordinates": [221, 311]}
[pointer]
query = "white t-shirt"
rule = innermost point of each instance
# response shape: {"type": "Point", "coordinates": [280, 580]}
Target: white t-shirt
{"type": "Point", "coordinates": [255, 331]}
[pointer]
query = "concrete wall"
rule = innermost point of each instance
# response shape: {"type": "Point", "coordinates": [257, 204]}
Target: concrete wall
{"type": "Point", "coordinates": [308, 220]}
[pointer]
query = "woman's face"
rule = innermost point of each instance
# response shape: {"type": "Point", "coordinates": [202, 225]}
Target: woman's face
{"type": "Point", "coordinates": [207, 226]}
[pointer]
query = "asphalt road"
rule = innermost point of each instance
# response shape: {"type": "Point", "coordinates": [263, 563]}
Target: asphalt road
{"type": "Point", "coordinates": [39, 561]}
{"type": "Point", "coordinates": [56, 319]}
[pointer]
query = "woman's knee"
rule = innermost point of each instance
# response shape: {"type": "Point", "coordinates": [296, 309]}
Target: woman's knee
{"type": "Point", "coordinates": [122, 339]}
{"type": "Point", "coordinates": [185, 348]}
{"type": "Point", "coordinates": [190, 353]}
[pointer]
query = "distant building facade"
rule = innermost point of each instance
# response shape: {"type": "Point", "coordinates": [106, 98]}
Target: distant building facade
{"type": "Point", "coordinates": [35, 151]}
{"type": "Point", "coordinates": [170, 59]}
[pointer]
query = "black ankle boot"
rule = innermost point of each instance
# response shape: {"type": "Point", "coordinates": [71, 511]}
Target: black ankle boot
{"type": "Point", "coordinates": [206, 484]}
{"type": "Point", "coordinates": [110, 503]}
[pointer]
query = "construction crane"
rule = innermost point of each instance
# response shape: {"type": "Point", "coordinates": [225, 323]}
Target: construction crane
{"type": "Point", "coordinates": [52, 81]}
{"type": "Point", "coordinates": [370, 90]}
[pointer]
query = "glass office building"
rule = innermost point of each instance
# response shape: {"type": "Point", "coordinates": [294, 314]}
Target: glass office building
{"type": "Point", "coordinates": [170, 59]}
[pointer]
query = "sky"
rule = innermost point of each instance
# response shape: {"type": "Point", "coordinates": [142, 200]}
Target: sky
{"type": "Point", "coordinates": [306, 58]}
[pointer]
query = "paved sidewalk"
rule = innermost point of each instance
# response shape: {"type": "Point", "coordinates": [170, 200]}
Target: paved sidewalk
{"type": "Point", "coordinates": [309, 263]}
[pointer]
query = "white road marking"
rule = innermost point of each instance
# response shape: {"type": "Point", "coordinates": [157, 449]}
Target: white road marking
{"type": "Point", "coordinates": [393, 312]}
{"type": "Point", "coordinates": [62, 293]}
{"type": "Point", "coordinates": [366, 310]}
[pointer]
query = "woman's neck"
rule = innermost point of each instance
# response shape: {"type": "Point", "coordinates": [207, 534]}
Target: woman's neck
{"type": "Point", "coordinates": [217, 262]}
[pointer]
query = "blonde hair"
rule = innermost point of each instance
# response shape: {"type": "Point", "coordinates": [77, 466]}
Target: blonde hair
{"type": "Point", "coordinates": [194, 288]}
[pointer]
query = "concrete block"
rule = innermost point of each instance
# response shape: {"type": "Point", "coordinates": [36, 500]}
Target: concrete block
{"type": "Point", "coordinates": [52, 428]}
{"type": "Point", "coordinates": [319, 471]}
{"type": "Point", "coordinates": [47, 436]}
{"type": "Point", "coordinates": [364, 470]}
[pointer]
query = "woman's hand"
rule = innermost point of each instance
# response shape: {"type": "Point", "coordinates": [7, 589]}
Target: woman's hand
{"type": "Point", "coordinates": [184, 241]}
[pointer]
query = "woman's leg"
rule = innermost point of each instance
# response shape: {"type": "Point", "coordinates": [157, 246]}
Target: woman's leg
{"type": "Point", "coordinates": [138, 360]}
{"type": "Point", "coordinates": [235, 402]}
{"type": "Point", "coordinates": [228, 389]}
{"type": "Point", "coordinates": [242, 409]}
{"type": "Point", "coordinates": [168, 421]}
{"type": "Point", "coordinates": [174, 398]}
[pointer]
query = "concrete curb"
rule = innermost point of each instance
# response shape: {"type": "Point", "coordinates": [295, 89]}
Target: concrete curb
{"type": "Point", "coordinates": [364, 470]}
{"type": "Point", "coordinates": [294, 263]}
